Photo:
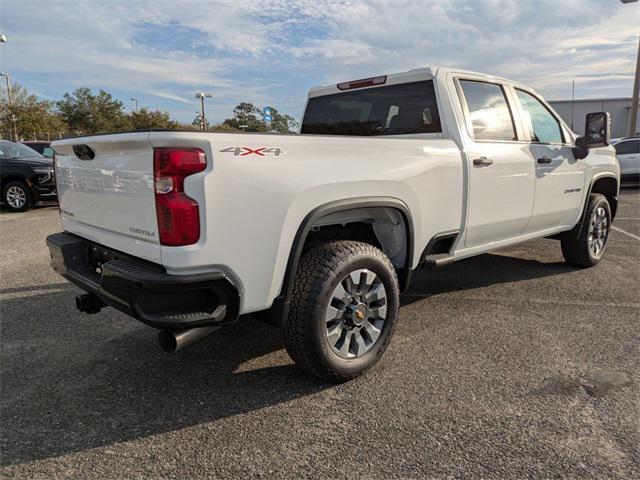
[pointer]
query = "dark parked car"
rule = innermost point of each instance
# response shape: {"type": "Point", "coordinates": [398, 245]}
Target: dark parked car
{"type": "Point", "coordinates": [40, 146]}
{"type": "Point", "coordinates": [26, 177]}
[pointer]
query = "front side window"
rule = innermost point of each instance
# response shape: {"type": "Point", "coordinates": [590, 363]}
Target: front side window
{"type": "Point", "coordinates": [628, 147]}
{"type": "Point", "coordinates": [488, 110]}
{"type": "Point", "coordinates": [390, 110]}
{"type": "Point", "coordinates": [543, 126]}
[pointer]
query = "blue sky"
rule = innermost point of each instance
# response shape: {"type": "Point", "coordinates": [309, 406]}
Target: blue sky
{"type": "Point", "coordinates": [271, 52]}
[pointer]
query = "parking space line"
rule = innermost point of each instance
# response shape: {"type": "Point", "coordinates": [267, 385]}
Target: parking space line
{"type": "Point", "coordinates": [14, 217]}
{"type": "Point", "coordinates": [545, 301]}
{"type": "Point", "coordinates": [625, 232]}
{"type": "Point", "coordinates": [22, 218]}
{"type": "Point", "coordinates": [627, 218]}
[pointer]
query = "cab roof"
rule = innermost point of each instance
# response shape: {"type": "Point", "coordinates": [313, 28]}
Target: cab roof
{"type": "Point", "coordinates": [407, 76]}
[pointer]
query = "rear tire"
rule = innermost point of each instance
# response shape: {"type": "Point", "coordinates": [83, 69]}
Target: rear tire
{"type": "Point", "coordinates": [343, 311]}
{"type": "Point", "coordinates": [17, 196]}
{"type": "Point", "coordinates": [584, 246]}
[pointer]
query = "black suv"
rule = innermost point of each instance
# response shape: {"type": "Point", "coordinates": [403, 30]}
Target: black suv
{"type": "Point", "coordinates": [26, 177]}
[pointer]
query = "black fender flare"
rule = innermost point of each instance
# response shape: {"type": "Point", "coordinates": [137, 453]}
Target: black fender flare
{"type": "Point", "coordinates": [578, 227]}
{"type": "Point", "coordinates": [592, 183]}
{"type": "Point", "coordinates": [280, 307]}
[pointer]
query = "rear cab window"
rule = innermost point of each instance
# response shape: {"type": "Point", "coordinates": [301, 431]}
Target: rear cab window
{"type": "Point", "coordinates": [402, 109]}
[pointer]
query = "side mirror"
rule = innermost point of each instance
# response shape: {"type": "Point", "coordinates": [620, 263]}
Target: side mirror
{"type": "Point", "coordinates": [597, 133]}
{"type": "Point", "coordinates": [597, 129]}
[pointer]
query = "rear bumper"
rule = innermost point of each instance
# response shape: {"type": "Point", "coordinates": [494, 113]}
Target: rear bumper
{"type": "Point", "coordinates": [142, 289]}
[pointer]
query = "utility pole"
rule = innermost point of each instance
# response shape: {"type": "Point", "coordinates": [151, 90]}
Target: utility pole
{"type": "Point", "coordinates": [135, 100]}
{"type": "Point", "coordinates": [636, 88]}
{"type": "Point", "coordinates": [634, 97]}
{"type": "Point", "coordinates": [13, 116]}
{"type": "Point", "coordinates": [202, 96]}
{"type": "Point", "coordinates": [573, 99]}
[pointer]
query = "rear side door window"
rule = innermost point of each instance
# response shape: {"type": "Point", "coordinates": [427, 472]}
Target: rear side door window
{"type": "Point", "coordinates": [542, 125]}
{"type": "Point", "coordinates": [489, 111]}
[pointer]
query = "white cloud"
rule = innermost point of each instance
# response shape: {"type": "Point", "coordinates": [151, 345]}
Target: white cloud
{"type": "Point", "coordinates": [342, 52]}
{"type": "Point", "coordinates": [529, 41]}
{"type": "Point", "coordinates": [172, 96]}
{"type": "Point", "coordinates": [247, 50]}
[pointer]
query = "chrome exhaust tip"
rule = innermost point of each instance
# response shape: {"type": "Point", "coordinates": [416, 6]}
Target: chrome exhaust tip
{"type": "Point", "coordinates": [173, 340]}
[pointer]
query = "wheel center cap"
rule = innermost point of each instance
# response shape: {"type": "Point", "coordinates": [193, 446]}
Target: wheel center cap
{"type": "Point", "coordinates": [359, 314]}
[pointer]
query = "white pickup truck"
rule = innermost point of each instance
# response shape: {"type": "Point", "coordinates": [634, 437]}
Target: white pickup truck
{"type": "Point", "coordinates": [320, 232]}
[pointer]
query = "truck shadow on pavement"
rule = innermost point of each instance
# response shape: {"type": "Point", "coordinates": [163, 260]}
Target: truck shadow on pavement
{"type": "Point", "coordinates": [73, 382]}
{"type": "Point", "coordinates": [481, 271]}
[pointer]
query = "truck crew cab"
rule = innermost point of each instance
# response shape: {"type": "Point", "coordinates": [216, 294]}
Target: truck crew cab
{"type": "Point", "coordinates": [320, 232]}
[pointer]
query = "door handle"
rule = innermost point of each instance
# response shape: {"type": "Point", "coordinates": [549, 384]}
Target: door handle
{"type": "Point", "coordinates": [544, 160]}
{"type": "Point", "coordinates": [482, 161]}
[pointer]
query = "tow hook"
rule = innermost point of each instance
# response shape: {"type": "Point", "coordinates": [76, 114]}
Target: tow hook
{"type": "Point", "coordinates": [89, 303]}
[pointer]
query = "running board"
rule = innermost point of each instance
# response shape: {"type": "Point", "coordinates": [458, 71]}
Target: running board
{"type": "Point", "coordinates": [437, 260]}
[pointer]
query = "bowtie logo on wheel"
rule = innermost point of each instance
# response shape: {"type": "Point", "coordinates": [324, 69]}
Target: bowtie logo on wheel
{"type": "Point", "coordinates": [258, 151]}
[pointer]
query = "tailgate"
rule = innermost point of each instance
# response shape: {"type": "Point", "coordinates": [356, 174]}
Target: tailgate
{"type": "Point", "coordinates": [109, 198]}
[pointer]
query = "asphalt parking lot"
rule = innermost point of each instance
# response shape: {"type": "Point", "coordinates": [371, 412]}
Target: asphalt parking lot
{"type": "Point", "coordinates": [511, 364]}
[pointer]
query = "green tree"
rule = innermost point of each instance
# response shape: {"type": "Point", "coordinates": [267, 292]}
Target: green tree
{"type": "Point", "coordinates": [145, 119]}
{"type": "Point", "coordinates": [222, 128]}
{"type": "Point", "coordinates": [197, 122]}
{"type": "Point", "coordinates": [87, 113]}
{"type": "Point", "coordinates": [245, 114]}
{"type": "Point", "coordinates": [281, 123]}
{"type": "Point", "coordinates": [219, 127]}
{"type": "Point", "coordinates": [34, 119]}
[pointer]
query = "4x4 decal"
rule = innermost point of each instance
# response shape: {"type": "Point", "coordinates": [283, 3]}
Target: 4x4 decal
{"type": "Point", "coordinates": [260, 151]}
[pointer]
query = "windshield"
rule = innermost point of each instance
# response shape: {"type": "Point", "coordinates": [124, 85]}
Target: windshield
{"type": "Point", "coordinates": [392, 110]}
{"type": "Point", "coordinates": [11, 150]}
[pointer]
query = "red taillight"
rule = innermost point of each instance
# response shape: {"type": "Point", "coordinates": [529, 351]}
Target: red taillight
{"type": "Point", "coordinates": [178, 215]}
{"type": "Point", "coordinates": [363, 82]}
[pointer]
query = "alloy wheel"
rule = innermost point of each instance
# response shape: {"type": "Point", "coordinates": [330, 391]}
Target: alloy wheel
{"type": "Point", "coordinates": [598, 232]}
{"type": "Point", "coordinates": [16, 196]}
{"type": "Point", "coordinates": [356, 314]}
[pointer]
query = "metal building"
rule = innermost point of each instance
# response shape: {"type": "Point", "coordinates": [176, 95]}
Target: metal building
{"type": "Point", "coordinates": [574, 111]}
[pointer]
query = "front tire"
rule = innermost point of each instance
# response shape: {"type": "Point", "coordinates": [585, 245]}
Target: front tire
{"type": "Point", "coordinates": [343, 311]}
{"type": "Point", "coordinates": [17, 197]}
{"type": "Point", "coordinates": [584, 246]}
